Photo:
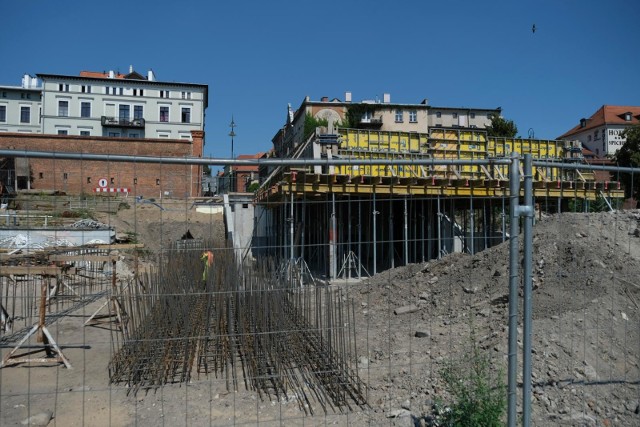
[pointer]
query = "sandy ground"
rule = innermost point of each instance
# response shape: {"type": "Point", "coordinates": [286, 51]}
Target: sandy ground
{"type": "Point", "coordinates": [586, 337]}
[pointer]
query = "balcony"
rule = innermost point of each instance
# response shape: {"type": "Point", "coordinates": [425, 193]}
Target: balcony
{"type": "Point", "coordinates": [370, 123]}
{"type": "Point", "coordinates": [117, 122]}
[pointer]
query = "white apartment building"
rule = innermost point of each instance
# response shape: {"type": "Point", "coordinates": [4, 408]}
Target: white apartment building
{"type": "Point", "coordinates": [106, 104]}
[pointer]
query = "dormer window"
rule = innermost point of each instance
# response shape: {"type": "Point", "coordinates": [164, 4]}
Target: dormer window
{"type": "Point", "coordinates": [583, 123]}
{"type": "Point", "coordinates": [627, 117]}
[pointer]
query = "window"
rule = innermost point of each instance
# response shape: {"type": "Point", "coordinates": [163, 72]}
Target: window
{"type": "Point", "coordinates": [589, 138]}
{"type": "Point", "coordinates": [472, 115]}
{"type": "Point", "coordinates": [25, 114]}
{"type": "Point", "coordinates": [141, 92]}
{"type": "Point", "coordinates": [40, 175]}
{"type": "Point", "coordinates": [114, 134]}
{"type": "Point", "coordinates": [164, 113]}
{"type": "Point", "coordinates": [438, 125]}
{"type": "Point", "coordinates": [399, 116]}
{"type": "Point", "coordinates": [454, 115]}
{"type": "Point", "coordinates": [65, 176]}
{"type": "Point", "coordinates": [85, 109]}
{"type": "Point", "coordinates": [134, 135]}
{"type": "Point", "coordinates": [63, 87]}
{"type": "Point", "coordinates": [438, 114]}
{"type": "Point", "coordinates": [63, 132]}
{"type": "Point", "coordinates": [627, 117]}
{"type": "Point", "coordinates": [186, 115]}
{"type": "Point", "coordinates": [85, 89]}
{"type": "Point", "coordinates": [112, 181]}
{"type": "Point", "coordinates": [124, 111]}
{"type": "Point", "coordinates": [595, 135]}
{"type": "Point", "coordinates": [88, 180]}
{"type": "Point", "coordinates": [137, 112]}
{"type": "Point", "coordinates": [85, 133]}
{"type": "Point", "coordinates": [413, 116]}
{"type": "Point", "coordinates": [135, 92]}
{"type": "Point", "coordinates": [63, 108]}
{"type": "Point", "coordinates": [3, 113]}
{"type": "Point", "coordinates": [164, 94]}
{"type": "Point", "coordinates": [186, 95]}
{"type": "Point", "coordinates": [121, 90]}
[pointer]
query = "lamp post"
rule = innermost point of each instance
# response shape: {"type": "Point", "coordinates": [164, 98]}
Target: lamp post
{"type": "Point", "coordinates": [231, 134]}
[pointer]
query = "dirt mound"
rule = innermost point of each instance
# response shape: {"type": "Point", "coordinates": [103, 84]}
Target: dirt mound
{"type": "Point", "coordinates": [585, 332]}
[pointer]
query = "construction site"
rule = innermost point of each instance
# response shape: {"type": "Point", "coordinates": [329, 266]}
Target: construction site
{"type": "Point", "coordinates": [373, 259]}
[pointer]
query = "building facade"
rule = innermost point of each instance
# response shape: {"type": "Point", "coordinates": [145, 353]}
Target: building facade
{"type": "Point", "coordinates": [602, 133]}
{"type": "Point", "coordinates": [20, 107]}
{"type": "Point", "coordinates": [105, 104]}
{"type": "Point", "coordinates": [375, 115]}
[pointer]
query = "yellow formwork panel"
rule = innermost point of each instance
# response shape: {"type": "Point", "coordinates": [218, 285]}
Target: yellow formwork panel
{"type": "Point", "coordinates": [444, 144]}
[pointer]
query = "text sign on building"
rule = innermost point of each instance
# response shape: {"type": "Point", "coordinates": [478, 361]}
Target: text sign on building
{"type": "Point", "coordinates": [615, 139]}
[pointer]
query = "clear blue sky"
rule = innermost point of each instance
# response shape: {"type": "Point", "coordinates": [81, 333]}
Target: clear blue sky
{"type": "Point", "coordinates": [257, 56]}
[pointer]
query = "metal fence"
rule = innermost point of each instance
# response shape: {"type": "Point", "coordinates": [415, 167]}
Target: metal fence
{"type": "Point", "coordinates": [314, 308]}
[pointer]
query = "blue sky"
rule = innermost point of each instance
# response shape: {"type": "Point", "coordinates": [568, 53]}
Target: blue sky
{"type": "Point", "coordinates": [257, 56]}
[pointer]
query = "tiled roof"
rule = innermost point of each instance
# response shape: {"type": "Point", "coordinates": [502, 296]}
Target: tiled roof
{"type": "Point", "coordinates": [609, 115]}
{"type": "Point", "coordinates": [100, 74]}
{"type": "Point", "coordinates": [248, 168]}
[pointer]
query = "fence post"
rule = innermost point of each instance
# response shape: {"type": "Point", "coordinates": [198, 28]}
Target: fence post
{"type": "Point", "coordinates": [514, 193]}
{"type": "Point", "coordinates": [528, 212]}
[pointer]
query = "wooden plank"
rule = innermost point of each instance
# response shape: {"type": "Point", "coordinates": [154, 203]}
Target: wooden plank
{"type": "Point", "coordinates": [42, 270]}
{"type": "Point", "coordinates": [91, 258]}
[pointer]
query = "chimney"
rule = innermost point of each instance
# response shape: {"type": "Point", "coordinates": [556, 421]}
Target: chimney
{"type": "Point", "coordinates": [111, 74]}
{"type": "Point", "coordinates": [347, 97]}
{"type": "Point", "coordinates": [26, 80]}
{"type": "Point", "coordinates": [130, 69]}
{"type": "Point", "coordinates": [150, 76]}
{"type": "Point", "coordinates": [325, 99]}
{"type": "Point", "coordinates": [386, 98]}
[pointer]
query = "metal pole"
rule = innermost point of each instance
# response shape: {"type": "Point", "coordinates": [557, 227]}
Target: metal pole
{"type": "Point", "coordinates": [406, 234]}
{"type": "Point", "coordinates": [375, 245]}
{"type": "Point", "coordinates": [333, 239]}
{"type": "Point", "coordinates": [439, 215]}
{"type": "Point", "coordinates": [291, 229]}
{"type": "Point", "coordinates": [514, 192]}
{"type": "Point", "coordinates": [527, 304]}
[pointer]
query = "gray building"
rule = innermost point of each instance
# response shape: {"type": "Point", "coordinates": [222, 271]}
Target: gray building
{"type": "Point", "coordinates": [20, 107]}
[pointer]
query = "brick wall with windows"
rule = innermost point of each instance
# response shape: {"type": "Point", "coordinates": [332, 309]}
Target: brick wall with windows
{"type": "Point", "coordinates": [83, 176]}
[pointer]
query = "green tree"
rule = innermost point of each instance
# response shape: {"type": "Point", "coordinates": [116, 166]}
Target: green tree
{"type": "Point", "coordinates": [501, 127]}
{"type": "Point", "coordinates": [311, 123]}
{"type": "Point", "coordinates": [629, 156]}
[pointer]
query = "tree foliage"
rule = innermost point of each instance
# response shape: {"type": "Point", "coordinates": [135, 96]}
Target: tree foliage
{"type": "Point", "coordinates": [501, 127]}
{"type": "Point", "coordinates": [629, 156]}
{"type": "Point", "coordinates": [311, 123]}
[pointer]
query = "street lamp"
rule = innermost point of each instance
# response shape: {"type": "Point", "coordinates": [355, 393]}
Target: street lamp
{"type": "Point", "coordinates": [231, 134]}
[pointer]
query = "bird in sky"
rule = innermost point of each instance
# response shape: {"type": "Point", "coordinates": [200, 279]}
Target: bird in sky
{"type": "Point", "coordinates": [533, 29]}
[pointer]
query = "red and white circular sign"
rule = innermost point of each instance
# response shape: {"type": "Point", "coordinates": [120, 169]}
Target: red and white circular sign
{"type": "Point", "coordinates": [102, 183]}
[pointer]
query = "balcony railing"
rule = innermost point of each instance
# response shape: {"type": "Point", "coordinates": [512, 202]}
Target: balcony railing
{"type": "Point", "coordinates": [371, 122]}
{"type": "Point", "coordinates": [122, 123]}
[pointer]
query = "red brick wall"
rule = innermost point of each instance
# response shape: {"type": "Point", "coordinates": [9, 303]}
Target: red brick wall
{"type": "Point", "coordinates": [83, 176]}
